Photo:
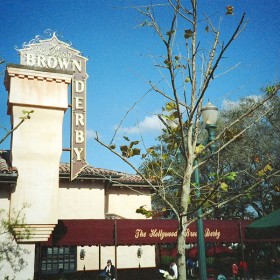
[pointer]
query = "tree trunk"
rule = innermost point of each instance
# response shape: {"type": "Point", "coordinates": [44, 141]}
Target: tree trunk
{"type": "Point", "coordinates": [183, 222]}
{"type": "Point", "coordinates": [181, 260]}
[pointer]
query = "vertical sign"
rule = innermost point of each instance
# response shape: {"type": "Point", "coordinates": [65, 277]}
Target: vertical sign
{"type": "Point", "coordinates": [78, 134]}
{"type": "Point", "coordinates": [55, 54]}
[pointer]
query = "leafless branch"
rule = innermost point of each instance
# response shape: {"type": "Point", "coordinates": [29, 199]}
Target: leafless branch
{"type": "Point", "coordinates": [126, 114]}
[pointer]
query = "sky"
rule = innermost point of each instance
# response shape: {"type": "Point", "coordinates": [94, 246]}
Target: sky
{"type": "Point", "coordinates": [120, 63]}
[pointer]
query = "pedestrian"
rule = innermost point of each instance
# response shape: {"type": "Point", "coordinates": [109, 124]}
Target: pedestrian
{"type": "Point", "coordinates": [190, 267]}
{"type": "Point", "coordinates": [243, 268]}
{"type": "Point", "coordinates": [221, 277]}
{"type": "Point", "coordinates": [275, 268]}
{"type": "Point", "coordinates": [234, 269]}
{"type": "Point", "coordinates": [173, 270]}
{"type": "Point", "coordinates": [171, 273]}
{"type": "Point", "coordinates": [110, 270]}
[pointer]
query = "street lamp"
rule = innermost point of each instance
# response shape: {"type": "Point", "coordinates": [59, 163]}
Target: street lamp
{"type": "Point", "coordinates": [209, 117]}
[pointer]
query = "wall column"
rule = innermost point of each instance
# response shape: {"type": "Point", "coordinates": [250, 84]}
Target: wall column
{"type": "Point", "coordinates": [36, 145]}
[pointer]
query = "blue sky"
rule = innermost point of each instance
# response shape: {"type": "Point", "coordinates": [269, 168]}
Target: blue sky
{"type": "Point", "coordinates": [120, 65]}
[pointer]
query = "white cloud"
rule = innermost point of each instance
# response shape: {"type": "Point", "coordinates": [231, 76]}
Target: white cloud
{"type": "Point", "coordinates": [91, 134]}
{"type": "Point", "coordinates": [150, 124]}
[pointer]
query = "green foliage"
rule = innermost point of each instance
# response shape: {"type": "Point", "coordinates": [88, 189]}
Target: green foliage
{"type": "Point", "coordinates": [229, 10]}
{"type": "Point", "coordinates": [265, 170]}
{"type": "Point", "coordinates": [272, 88]}
{"type": "Point", "coordinates": [26, 114]}
{"type": "Point", "coordinates": [13, 224]}
{"type": "Point", "coordinates": [170, 33]}
{"type": "Point", "coordinates": [188, 33]}
{"type": "Point", "coordinates": [151, 213]}
{"type": "Point", "coordinates": [129, 150]}
{"type": "Point", "coordinates": [166, 260]}
{"type": "Point", "coordinates": [113, 146]}
{"type": "Point", "coordinates": [10, 251]}
{"type": "Point", "coordinates": [253, 158]}
{"type": "Point", "coordinates": [170, 106]}
{"type": "Point", "coordinates": [200, 149]}
{"type": "Point", "coordinates": [223, 186]}
{"type": "Point", "coordinates": [230, 176]}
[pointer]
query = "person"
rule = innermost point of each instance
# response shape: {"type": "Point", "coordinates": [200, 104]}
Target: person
{"type": "Point", "coordinates": [110, 270]}
{"type": "Point", "coordinates": [172, 272]}
{"type": "Point", "coordinates": [190, 266]}
{"type": "Point", "coordinates": [243, 266]}
{"type": "Point", "coordinates": [221, 277]}
{"type": "Point", "coordinates": [234, 269]}
{"type": "Point", "coordinates": [275, 268]}
{"type": "Point", "coordinates": [61, 274]}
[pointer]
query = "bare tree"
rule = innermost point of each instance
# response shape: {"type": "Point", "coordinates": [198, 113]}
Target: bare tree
{"type": "Point", "coordinates": [188, 74]}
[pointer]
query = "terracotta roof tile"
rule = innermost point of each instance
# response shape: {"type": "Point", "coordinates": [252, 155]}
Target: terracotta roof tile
{"type": "Point", "coordinates": [90, 170]}
{"type": "Point", "coordinates": [5, 166]}
{"type": "Point", "coordinates": [117, 176]}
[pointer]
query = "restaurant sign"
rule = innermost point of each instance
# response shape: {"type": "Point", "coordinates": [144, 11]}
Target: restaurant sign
{"type": "Point", "coordinates": [162, 234]}
{"type": "Point", "coordinates": [165, 231]}
{"type": "Point", "coordinates": [53, 54]}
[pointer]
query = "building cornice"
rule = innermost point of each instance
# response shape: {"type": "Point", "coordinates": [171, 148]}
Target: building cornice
{"type": "Point", "coordinates": [36, 73]}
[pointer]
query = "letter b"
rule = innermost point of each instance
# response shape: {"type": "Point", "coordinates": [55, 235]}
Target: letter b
{"type": "Point", "coordinates": [79, 136]}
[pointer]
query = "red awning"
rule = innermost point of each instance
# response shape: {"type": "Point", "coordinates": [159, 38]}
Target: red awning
{"type": "Point", "coordinates": [217, 250]}
{"type": "Point", "coordinates": [221, 231]}
{"type": "Point", "coordinates": [140, 232]}
{"type": "Point", "coordinates": [211, 251]}
{"type": "Point", "coordinates": [82, 233]}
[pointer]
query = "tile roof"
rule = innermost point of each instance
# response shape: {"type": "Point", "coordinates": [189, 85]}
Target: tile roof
{"type": "Point", "coordinates": [89, 170]}
{"type": "Point", "coordinates": [5, 165]}
{"type": "Point", "coordinates": [94, 172]}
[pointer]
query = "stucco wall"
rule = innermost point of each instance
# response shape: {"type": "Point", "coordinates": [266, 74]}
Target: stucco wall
{"type": "Point", "coordinates": [126, 257]}
{"type": "Point", "coordinates": [124, 201]}
{"type": "Point", "coordinates": [37, 144]}
{"type": "Point", "coordinates": [4, 199]}
{"type": "Point", "coordinates": [81, 200]}
{"type": "Point", "coordinates": [36, 150]}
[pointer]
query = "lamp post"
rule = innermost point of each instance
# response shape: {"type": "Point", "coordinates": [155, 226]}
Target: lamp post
{"type": "Point", "coordinates": [209, 116]}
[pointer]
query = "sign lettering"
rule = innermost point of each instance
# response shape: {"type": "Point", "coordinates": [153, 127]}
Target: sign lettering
{"type": "Point", "coordinates": [161, 234]}
{"type": "Point", "coordinates": [155, 233]}
{"type": "Point", "coordinates": [207, 233]}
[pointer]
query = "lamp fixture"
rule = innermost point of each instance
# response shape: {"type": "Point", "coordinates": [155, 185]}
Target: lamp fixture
{"type": "Point", "coordinates": [209, 114]}
{"type": "Point", "coordinates": [82, 254]}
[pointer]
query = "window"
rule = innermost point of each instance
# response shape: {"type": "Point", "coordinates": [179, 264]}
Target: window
{"type": "Point", "coordinates": [55, 259]}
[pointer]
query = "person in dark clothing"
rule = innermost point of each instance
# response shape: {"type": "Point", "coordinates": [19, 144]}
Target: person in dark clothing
{"type": "Point", "coordinates": [110, 270]}
{"type": "Point", "coordinates": [275, 268]}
